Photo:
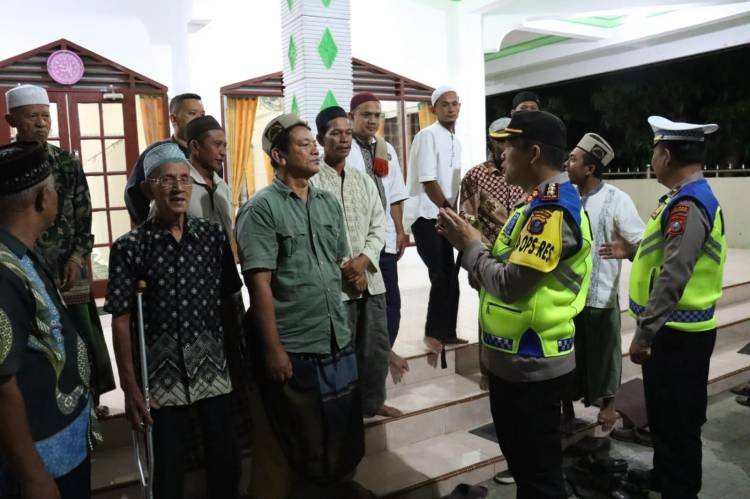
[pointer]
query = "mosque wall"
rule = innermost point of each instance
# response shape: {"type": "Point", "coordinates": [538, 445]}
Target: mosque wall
{"type": "Point", "coordinates": [200, 46]}
{"type": "Point", "coordinates": [731, 192]}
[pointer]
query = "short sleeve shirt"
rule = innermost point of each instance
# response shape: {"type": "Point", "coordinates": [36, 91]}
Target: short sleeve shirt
{"type": "Point", "coordinates": [301, 243]}
{"type": "Point", "coordinates": [186, 282]}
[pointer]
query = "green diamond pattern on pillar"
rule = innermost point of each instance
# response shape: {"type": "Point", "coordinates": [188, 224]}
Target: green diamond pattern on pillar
{"type": "Point", "coordinates": [327, 49]}
{"type": "Point", "coordinates": [329, 101]}
{"type": "Point", "coordinates": [290, 3]}
{"type": "Point", "coordinates": [326, 3]}
{"type": "Point", "coordinates": [292, 53]}
{"type": "Point", "coordinates": [295, 105]}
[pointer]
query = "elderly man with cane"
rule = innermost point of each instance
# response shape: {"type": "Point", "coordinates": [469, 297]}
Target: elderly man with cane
{"type": "Point", "coordinates": [190, 277]}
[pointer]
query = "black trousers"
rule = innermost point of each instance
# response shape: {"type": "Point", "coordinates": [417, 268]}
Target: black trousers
{"type": "Point", "coordinates": [76, 484]}
{"type": "Point", "coordinates": [675, 379]}
{"type": "Point", "coordinates": [527, 424]}
{"type": "Point", "coordinates": [437, 254]}
{"type": "Point", "coordinates": [222, 454]}
{"type": "Point", "coordinates": [389, 269]}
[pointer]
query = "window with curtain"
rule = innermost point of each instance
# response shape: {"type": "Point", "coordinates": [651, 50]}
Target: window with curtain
{"type": "Point", "coordinates": [150, 119]}
{"type": "Point", "coordinates": [249, 168]}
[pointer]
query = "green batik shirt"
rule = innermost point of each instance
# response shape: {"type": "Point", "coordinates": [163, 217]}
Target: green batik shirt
{"type": "Point", "coordinates": [70, 237]}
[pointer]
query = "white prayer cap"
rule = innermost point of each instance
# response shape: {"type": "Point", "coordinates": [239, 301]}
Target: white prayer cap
{"type": "Point", "coordinates": [498, 124]}
{"type": "Point", "coordinates": [25, 95]}
{"type": "Point", "coordinates": [440, 91]}
{"type": "Point", "coordinates": [168, 152]}
{"type": "Point", "coordinates": [665, 129]}
{"type": "Point", "coordinates": [597, 147]}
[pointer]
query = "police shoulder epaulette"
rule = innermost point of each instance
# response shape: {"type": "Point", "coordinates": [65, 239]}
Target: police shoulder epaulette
{"type": "Point", "coordinates": [551, 192]}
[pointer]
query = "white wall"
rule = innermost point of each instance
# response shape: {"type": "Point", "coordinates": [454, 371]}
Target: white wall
{"type": "Point", "coordinates": [431, 42]}
{"type": "Point", "coordinates": [731, 192]}
{"type": "Point", "coordinates": [242, 41]}
{"type": "Point", "coordinates": [435, 44]}
{"type": "Point", "coordinates": [153, 45]}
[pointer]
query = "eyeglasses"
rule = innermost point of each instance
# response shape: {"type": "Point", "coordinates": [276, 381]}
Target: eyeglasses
{"type": "Point", "coordinates": [172, 182]}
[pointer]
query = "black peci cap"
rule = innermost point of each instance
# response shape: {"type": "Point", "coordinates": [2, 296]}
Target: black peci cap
{"type": "Point", "coordinates": [524, 97]}
{"type": "Point", "coordinates": [22, 165]}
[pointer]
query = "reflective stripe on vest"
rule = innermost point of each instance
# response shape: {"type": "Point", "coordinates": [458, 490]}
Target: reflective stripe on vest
{"type": "Point", "coordinates": [540, 325]}
{"type": "Point", "coordinates": [695, 310]}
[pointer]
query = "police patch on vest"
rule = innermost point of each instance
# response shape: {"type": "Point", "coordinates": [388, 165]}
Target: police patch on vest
{"type": "Point", "coordinates": [508, 229]}
{"type": "Point", "coordinates": [677, 219]}
{"type": "Point", "coordinates": [537, 221]}
{"type": "Point", "coordinates": [540, 243]}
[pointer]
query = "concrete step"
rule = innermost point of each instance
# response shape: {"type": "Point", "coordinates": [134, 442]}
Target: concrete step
{"type": "Point", "coordinates": [431, 408]}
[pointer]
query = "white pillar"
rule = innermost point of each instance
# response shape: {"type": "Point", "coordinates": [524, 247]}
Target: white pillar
{"type": "Point", "coordinates": [316, 37]}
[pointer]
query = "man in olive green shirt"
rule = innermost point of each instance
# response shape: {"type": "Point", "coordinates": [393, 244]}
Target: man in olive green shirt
{"type": "Point", "coordinates": [292, 242]}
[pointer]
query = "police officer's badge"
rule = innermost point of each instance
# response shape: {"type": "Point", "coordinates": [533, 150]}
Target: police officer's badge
{"type": "Point", "coordinates": [551, 192]}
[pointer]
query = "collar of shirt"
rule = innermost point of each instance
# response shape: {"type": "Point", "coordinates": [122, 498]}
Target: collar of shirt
{"type": "Point", "coordinates": [492, 168]}
{"type": "Point", "coordinates": [13, 243]}
{"type": "Point", "coordinates": [188, 229]}
{"type": "Point", "coordinates": [692, 178]}
{"type": "Point", "coordinates": [560, 178]}
{"type": "Point", "coordinates": [198, 178]}
{"type": "Point", "coordinates": [326, 169]}
{"type": "Point", "coordinates": [184, 149]}
{"type": "Point", "coordinates": [596, 191]}
{"type": "Point", "coordinates": [362, 144]}
{"type": "Point", "coordinates": [287, 191]}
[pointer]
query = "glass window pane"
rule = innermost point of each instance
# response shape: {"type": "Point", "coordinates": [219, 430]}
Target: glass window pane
{"type": "Point", "coordinates": [116, 190]}
{"type": "Point", "coordinates": [100, 262]}
{"type": "Point", "coordinates": [418, 116]}
{"type": "Point", "coordinates": [113, 123]}
{"type": "Point", "coordinates": [88, 119]}
{"type": "Point", "coordinates": [390, 126]}
{"type": "Point", "coordinates": [54, 142]}
{"type": "Point", "coordinates": [100, 228]}
{"type": "Point", "coordinates": [91, 156]}
{"type": "Point", "coordinates": [96, 189]}
{"type": "Point", "coordinates": [120, 222]}
{"type": "Point", "coordinates": [115, 151]}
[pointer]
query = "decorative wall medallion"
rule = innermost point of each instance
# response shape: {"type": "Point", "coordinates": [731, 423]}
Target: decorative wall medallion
{"type": "Point", "coordinates": [65, 67]}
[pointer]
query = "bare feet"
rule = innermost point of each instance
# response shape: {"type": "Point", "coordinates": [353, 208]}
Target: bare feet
{"type": "Point", "coordinates": [398, 367]}
{"type": "Point", "coordinates": [433, 344]}
{"type": "Point", "coordinates": [435, 347]}
{"type": "Point", "coordinates": [388, 412]}
{"type": "Point", "coordinates": [607, 414]}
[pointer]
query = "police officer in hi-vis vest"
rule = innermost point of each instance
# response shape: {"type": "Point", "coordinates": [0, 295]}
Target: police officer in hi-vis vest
{"type": "Point", "coordinates": [675, 283]}
{"type": "Point", "coordinates": [534, 282]}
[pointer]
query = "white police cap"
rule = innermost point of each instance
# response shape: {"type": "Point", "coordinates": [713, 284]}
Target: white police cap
{"type": "Point", "coordinates": [665, 129]}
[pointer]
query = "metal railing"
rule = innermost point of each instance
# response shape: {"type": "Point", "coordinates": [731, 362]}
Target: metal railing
{"type": "Point", "coordinates": [708, 171]}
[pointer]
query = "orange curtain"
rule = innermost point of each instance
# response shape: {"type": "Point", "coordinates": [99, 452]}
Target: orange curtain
{"type": "Point", "coordinates": [241, 122]}
{"type": "Point", "coordinates": [426, 118]}
{"type": "Point", "coordinates": [152, 115]}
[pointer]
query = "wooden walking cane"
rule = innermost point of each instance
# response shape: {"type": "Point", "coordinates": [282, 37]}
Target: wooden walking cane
{"type": "Point", "coordinates": [145, 471]}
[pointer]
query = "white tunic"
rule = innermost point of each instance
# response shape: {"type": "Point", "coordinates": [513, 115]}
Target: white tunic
{"type": "Point", "coordinates": [435, 154]}
{"type": "Point", "coordinates": [393, 185]}
{"type": "Point", "coordinates": [609, 209]}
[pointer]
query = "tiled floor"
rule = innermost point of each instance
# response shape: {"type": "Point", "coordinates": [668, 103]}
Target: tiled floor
{"type": "Point", "coordinates": [726, 453]}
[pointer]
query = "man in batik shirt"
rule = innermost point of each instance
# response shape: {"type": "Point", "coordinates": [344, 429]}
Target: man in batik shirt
{"type": "Point", "coordinates": [66, 246]}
